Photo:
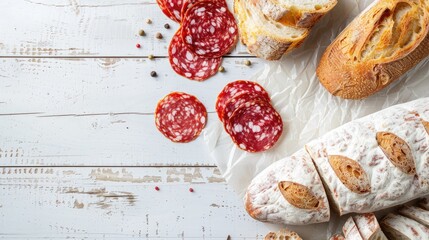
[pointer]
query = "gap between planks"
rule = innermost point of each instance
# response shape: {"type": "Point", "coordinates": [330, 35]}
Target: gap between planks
{"type": "Point", "coordinates": [110, 166]}
{"type": "Point", "coordinates": [95, 57]}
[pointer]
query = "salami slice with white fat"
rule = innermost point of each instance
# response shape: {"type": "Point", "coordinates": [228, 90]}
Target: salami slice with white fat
{"type": "Point", "coordinates": [188, 64]}
{"type": "Point", "coordinates": [188, 4]}
{"type": "Point", "coordinates": [234, 103]}
{"type": "Point", "coordinates": [234, 89]}
{"type": "Point", "coordinates": [163, 5]}
{"type": "Point", "coordinates": [255, 126]}
{"type": "Point", "coordinates": [209, 29]}
{"type": "Point", "coordinates": [180, 117]}
{"type": "Point", "coordinates": [175, 8]}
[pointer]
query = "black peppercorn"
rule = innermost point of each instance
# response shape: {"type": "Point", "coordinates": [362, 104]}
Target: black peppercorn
{"type": "Point", "coordinates": [153, 74]}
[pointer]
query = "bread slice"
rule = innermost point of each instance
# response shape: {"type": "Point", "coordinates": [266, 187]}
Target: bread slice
{"type": "Point", "coordinates": [280, 193]}
{"type": "Point", "coordinates": [377, 48]}
{"type": "Point", "coordinates": [264, 37]}
{"type": "Point", "coordinates": [351, 230]}
{"type": "Point", "coordinates": [300, 13]}
{"type": "Point", "coordinates": [417, 214]}
{"type": "Point", "coordinates": [400, 227]}
{"type": "Point", "coordinates": [368, 227]}
{"type": "Point", "coordinates": [283, 234]}
{"type": "Point", "coordinates": [337, 237]}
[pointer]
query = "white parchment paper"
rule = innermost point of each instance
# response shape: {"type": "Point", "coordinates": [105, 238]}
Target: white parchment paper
{"type": "Point", "coordinates": [307, 109]}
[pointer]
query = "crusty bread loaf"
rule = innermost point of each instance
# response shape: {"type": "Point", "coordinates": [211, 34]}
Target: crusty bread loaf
{"type": "Point", "coordinates": [403, 228]}
{"type": "Point", "coordinates": [417, 214]}
{"type": "Point", "coordinates": [281, 194]}
{"type": "Point", "coordinates": [283, 234]}
{"type": "Point", "coordinates": [368, 227]}
{"type": "Point", "coordinates": [377, 48]}
{"type": "Point", "coordinates": [351, 230]}
{"type": "Point", "coordinates": [264, 37]}
{"type": "Point", "coordinates": [337, 237]}
{"type": "Point", "coordinates": [300, 13]}
{"type": "Point", "coordinates": [365, 169]}
{"type": "Point", "coordinates": [424, 203]}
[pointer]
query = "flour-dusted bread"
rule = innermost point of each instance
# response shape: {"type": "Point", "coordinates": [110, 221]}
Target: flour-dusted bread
{"type": "Point", "coordinates": [403, 228]}
{"type": "Point", "coordinates": [377, 48]}
{"type": "Point", "coordinates": [283, 234]}
{"type": "Point", "coordinates": [376, 162]}
{"type": "Point", "coordinates": [300, 13]}
{"type": "Point", "coordinates": [289, 192]}
{"type": "Point", "coordinates": [416, 213]}
{"type": "Point", "coordinates": [264, 37]}
{"type": "Point", "coordinates": [351, 230]}
{"type": "Point", "coordinates": [368, 227]}
{"type": "Point", "coordinates": [337, 237]}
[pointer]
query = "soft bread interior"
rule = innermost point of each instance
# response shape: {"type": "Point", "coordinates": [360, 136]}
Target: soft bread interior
{"type": "Point", "coordinates": [256, 24]}
{"type": "Point", "coordinates": [305, 5]}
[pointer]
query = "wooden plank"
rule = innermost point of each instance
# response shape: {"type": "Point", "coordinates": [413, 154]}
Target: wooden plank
{"type": "Point", "coordinates": [76, 86]}
{"type": "Point", "coordinates": [119, 203]}
{"type": "Point", "coordinates": [94, 112]}
{"type": "Point", "coordinates": [84, 28]}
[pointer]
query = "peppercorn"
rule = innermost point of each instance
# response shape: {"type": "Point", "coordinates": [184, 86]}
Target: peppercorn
{"type": "Point", "coordinates": [138, 45]}
{"type": "Point", "coordinates": [191, 190]}
{"type": "Point", "coordinates": [153, 74]}
{"type": "Point", "coordinates": [158, 35]}
{"type": "Point", "coordinates": [247, 63]}
{"type": "Point", "coordinates": [167, 26]}
{"type": "Point", "coordinates": [221, 69]}
{"type": "Point", "coordinates": [148, 21]}
{"type": "Point", "coordinates": [157, 188]}
{"type": "Point", "coordinates": [142, 32]}
{"type": "Point", "coordinates": [150, 57]}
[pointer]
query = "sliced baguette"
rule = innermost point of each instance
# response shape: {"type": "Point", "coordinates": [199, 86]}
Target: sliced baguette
{"type": "Point", "coordinates": [400, 227]}
{"type": "Point", "coordinates": [264, 37]}
{"type": "Point", "coordinates": [283, 234]}
{"type": "Point", "coordinates": [377, 48]}
{"type": "Point", "coordinates": [368, 227]}
{"type": "Point", "coordinates": [351, 230]}
{"type": "Point", "coordinates": [337, 237]}
{"type": "Point", "coordinates": [300, 13]}
{"type": "Point", "coordinates": [417, 214]}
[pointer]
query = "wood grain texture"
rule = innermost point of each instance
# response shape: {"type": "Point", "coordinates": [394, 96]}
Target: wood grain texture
{"type": "Point", "coordinates": [121, 203]}
{"type": "Point", "coordinates": [85, 28]}
{"type": "Point", "coordinates": [98, 112]}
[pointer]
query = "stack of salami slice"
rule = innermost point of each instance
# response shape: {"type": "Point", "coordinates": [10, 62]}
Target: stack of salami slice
{"type": "Point", "coordinates": [208, 31]}
{"type": "Point", "coordinates": [245, 109]}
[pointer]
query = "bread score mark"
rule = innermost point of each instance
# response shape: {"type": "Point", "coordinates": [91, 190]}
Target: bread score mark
{"type": "Point", "coordinates": [350, 173]}
{"type": "Point", "coordinates": [298, 195]}
{"type": "Point", "coordinates": [397, 151]}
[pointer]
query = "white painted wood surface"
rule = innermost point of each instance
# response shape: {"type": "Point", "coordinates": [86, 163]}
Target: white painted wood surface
{"type": "Point", "coordinates": [79, 153]}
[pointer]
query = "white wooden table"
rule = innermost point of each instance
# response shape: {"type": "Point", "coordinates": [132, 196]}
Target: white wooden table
{"type": "Point", "coordinates": [79, 153]}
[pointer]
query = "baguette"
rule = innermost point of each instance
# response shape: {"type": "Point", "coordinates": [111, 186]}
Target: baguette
{"type": "Point", "coordinates": [283, 234]}
{"type": "Point", "coordinates": [361, 170]}
{"type": "Point", "coordinates": [377, 48]}
{"type": "Point", "coordinates": [417, 214]}
{"type": "Point", "coordinates": [351, 230]}
{"type": "Point", "coordinates": [264, 37]}
{"type": "Point", "coordinates": [337, 237]}
{"type": "Point", "coordinates": [368, 227]}
{"type": "Point", "coordinates": [375, 162]}
{"type": "Point", "coordinates": [281, 194]}
{"type": "Point", "coordinates": [399, 227]}
{"type": "Point", "coordinates": [296, 13]}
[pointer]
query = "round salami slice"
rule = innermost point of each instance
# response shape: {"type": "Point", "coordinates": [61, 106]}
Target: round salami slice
{"type": "Point", "coordinates": [234, 89]}
{"type": "Point", "coordinates": [180, 117]}
{"type": "Point", "coordinates": [175, 8]}
{"type": "Point", "coordinates": [209, 29]}
{"type": "Point", "coordinates": [255, 126]}
{"type": "Point", "coordinates": [163, 5]}
{"type": "Point", "coordinates": [188, 64]}
{"type": "Point", "coordinates": [234, 103]}
{"type": "Point", "coordinates": [188, 4]}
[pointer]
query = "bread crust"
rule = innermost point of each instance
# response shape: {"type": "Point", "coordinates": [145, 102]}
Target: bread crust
{"type": "Point", "coordinates": [377, 48]}
{"type": "Point", "coordinates": [291, 15]}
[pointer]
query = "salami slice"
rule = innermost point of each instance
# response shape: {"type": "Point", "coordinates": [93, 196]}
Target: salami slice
{"type": "Point", "coordinates": [234, 103]}
{"type": "Point", "coordinates": [255, 126]}
{"type": "Point", "coordinates": [188, 4]}
{"type": "Point", "coordinates": [163, 5]}
{"type": "Point", "coordinates": [180, 117]}
{"type": "Point", "coordinates": [175, 8]}
{"type": "Point", "coordinates": [188, 64]}
{"type": "Point", "coordinates": [209, 29]}
{"type": "Point", "coordinates": [234, 89]}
